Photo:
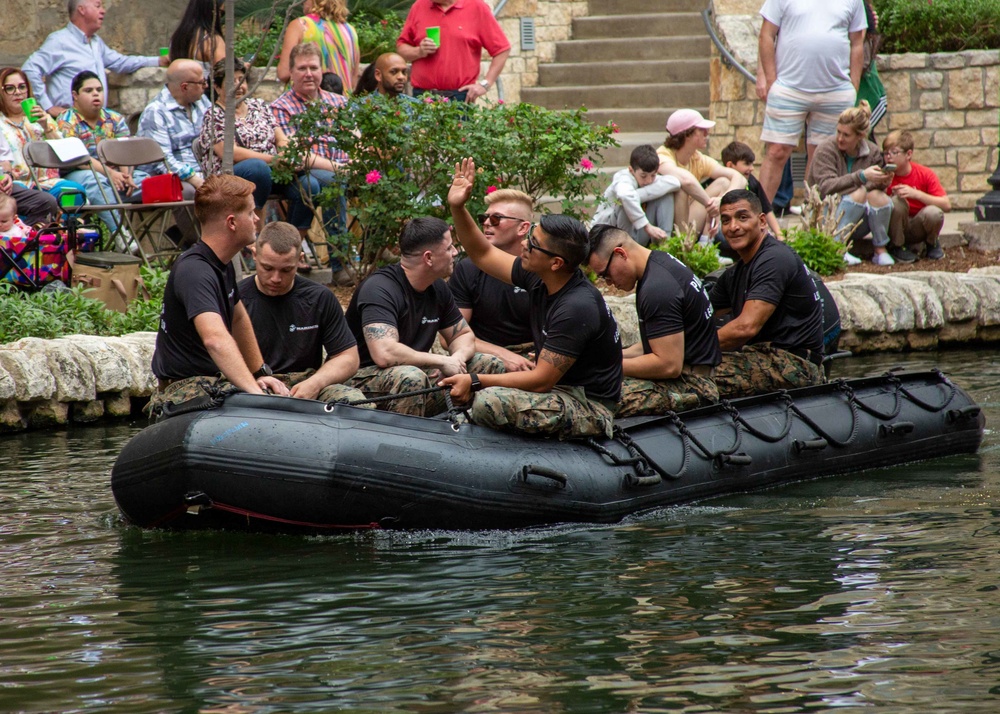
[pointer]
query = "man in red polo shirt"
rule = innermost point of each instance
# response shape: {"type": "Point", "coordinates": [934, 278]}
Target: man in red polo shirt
{"type": "Point", "coordinates": [919, 202]}
{"type": "Point", "coordinates": [449, 64]}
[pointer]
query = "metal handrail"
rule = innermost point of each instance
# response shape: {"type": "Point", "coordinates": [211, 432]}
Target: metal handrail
{"type": "Point", "coordinates": [496, 11]}
{"type": "Point", "coordinates": [727, 58]}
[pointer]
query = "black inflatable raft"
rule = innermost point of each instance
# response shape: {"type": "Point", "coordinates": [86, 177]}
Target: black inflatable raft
{"type": "Point", "coordinates": [270, 463]}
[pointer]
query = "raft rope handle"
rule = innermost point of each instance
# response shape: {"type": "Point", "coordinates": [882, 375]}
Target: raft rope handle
{"type": "Point", "coordinates": [785, 397]}
{"type": "Point", "coordinates": [202, 500]}
{"type": "Point", "coordinates": [647, 471]}
{"type": "Point", "coordinates": [819, 431]}
{"type": "Point", "coordinates": [452, 410]}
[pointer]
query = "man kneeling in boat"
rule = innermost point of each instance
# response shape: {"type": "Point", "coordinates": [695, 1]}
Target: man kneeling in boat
{"type": "Point", "coordinates": [574, 387]}
{"type": "Point", "coordinates": [296, 320]}
{"type": "Point", "coordinates": [398, 312]}
{"type": "Point", "coordinates": [775, 339]}
{"type": "Point", "coordinates": [670, 368]}
{"type": "Point", "coordinates": [205, 332]}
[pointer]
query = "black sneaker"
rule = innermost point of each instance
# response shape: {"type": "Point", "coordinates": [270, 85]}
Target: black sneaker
{"type": "Point", "coordinates": [902, 254]}
{"type": "Point", "coordinates": [934, 252]}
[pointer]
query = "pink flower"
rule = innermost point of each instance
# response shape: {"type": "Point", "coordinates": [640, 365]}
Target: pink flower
{"type": "Point", "coordinates": [586, 164]}
{"type": "Point", "coordinates": [490, 189]}
{"type": "Point", "coordinates": [614, 128]}
{"type": "Point", "coordinates": [428, 100]}
{"type": "Point", "coordinates": [373, 177]}
{"type": "Point", "coordinates": [500, 101]}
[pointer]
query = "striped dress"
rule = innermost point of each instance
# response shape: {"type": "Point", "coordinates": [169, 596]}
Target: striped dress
{"type": "Point", "coordinates": [338, 44]}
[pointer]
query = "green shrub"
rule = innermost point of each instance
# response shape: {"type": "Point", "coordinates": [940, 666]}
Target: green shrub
{"type": "Point", "coordinates": [48, 315]}
{"type": "Point", "coordinates": [403, 156]}
{"type": "Point", "coordinates": [819, 251]}
{"type": "Point", "coordinates": [938, 25]}
{"type": "Point", "coordinates": [701, 259]}
{"type": "Point", "coordinates": [377, 35]}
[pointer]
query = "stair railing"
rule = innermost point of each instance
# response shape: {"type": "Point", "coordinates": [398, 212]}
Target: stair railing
{"type": "Point", "coordinates": [496, 11]}
{"type": "Point", "coordinates": [728, 60]}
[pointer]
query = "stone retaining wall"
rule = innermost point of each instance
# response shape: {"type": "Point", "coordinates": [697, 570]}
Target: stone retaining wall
{"type": "Point", "coordinates": [949, 101]}
{"type": "Point", "coordinates": [82, 378]}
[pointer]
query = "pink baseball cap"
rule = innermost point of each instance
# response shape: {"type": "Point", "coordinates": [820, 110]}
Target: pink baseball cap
{"type": "Point", "coordinates": [683, 119]}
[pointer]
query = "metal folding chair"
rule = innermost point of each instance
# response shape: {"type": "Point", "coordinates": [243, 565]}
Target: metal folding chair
{"type": "Point", "coordinates": [146, 222]}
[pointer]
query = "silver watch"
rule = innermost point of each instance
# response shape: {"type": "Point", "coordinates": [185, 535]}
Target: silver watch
{"type": "Point", "coordinates": [484, 83]}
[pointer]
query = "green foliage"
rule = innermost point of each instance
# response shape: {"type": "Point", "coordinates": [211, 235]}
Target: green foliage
{"type": "Point", "coordinates": [938, 25]}
{"type": "Point", "coordinates": [69, 312]}
{"type": "Point", "coordinates": [819, 251]}
{"type": "Point", "coordinates": [254, 45]}
{"type": "Point", "coordinates": [701, 259]}
{"type": "Point", "coordinates": [403, 156]}
{"type": "Point", "coordinates": [377, 35]}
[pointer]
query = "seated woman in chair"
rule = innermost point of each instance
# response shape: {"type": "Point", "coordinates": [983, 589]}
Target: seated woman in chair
{"type": "Point", "coordinates": [849, 165]}
{"type": "Point", "coordinates": [19, 129]}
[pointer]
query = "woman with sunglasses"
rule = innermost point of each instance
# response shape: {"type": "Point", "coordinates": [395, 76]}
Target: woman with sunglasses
{"type": "Point", "coordinates": [19, 130]}
{"type": "Point", "coordinates": [575, 385]}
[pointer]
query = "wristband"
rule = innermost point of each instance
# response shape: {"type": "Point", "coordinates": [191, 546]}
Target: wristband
{"type": "Point", "coordinates": [264, 371]}
{"type": "Point", "coordinates": [476, 384]}
{"type": "Point", "coordinates": [861, 175]}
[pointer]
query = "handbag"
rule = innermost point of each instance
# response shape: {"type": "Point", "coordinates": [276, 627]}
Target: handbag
{"type": "Point", "coordinates": [162, 188]}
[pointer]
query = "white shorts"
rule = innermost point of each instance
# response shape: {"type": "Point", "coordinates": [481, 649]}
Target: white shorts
{"type": "Point", "coordinates": [788, 109]}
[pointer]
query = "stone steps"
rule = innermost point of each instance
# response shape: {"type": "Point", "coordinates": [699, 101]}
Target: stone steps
{"type": "Point", "coordinates": [610, 49]}
{"type": "Point", "coordinates": [684, 94]}
{"type": "Point", "coordinates": [638, 7]}
{"type": "Point", "coordinates": [640, 26]}
{"type": "Point", "coordinates": [651, 72]}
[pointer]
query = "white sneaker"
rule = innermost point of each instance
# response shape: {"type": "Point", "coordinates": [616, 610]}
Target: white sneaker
{"type": "Point", "coordinates": [852, 259]}
{"type": "Point", "coordinates": [725, 262]}
{"type": "Point", "coordinates": [704, 240]}
{"type": "Point", "coordinates": [797, 210]}
{"type": "Point", "coordinates": [883, 259]}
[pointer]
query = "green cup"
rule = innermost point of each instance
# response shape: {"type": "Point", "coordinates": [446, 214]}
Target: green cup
{"type": "Point", "coordinates": [164, 51]}
{"type": "Point", "coordinates": [435, 34]}
{"type": "Point", "coordinates": [27, 105]}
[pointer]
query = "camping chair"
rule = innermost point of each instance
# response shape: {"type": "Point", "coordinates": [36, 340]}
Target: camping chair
{"type": "Point", "coordinates": [72, 204]}
{"type": "Point", "coordinates": [142, 225]}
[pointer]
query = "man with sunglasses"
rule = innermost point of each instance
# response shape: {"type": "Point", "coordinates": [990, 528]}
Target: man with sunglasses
{"type": "Point", "coordinates": [574, 387]}
{"type": "Point", "coordinates": [498, 312]}
{"type": "Point", "coordinates": [671, 367]}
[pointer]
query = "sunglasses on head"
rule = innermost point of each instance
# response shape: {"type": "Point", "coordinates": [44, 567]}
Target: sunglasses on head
{"type": "Point", "coordinates": [494, 218]}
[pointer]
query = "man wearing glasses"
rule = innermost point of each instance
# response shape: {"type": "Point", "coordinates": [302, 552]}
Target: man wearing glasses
{"type": "Point", "coordinates": [919, 201]}
{"type": "Point", "coordinates": [498, 312]}
{"type": "Point", "coordinates": [574, 387]}
{"type": "Point", "coordinates": [670, 368]}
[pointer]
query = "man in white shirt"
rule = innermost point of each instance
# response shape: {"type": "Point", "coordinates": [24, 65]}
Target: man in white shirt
{"type": "Point", "coordinates": [73, 49]}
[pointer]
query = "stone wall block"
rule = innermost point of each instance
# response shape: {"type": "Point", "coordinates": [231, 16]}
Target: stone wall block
{"type": "Point", "coordinates": [140, 346]}
{"type": "Point", "coordinates": [897, 89]}
{"type": "Point", "coordinates": [118, 405]}
{"type": "Point", "coordinates": [978, 58]}
{"type": "Point", "coordinates": [981, 117]}
{"type": "Point", "coordinates": [910, 60]}
{"type": "Point", "coordinates": [928, 80]}
{"type": "Point", "coordinates": [947, 60]}
{"type": "Point", "coordinates": [895, 304]}
{"type": "Point", "coordinates": [928, 312]}
{"type": "Point", "coordinates": [11, 419]}
{"type": "Point", "coordinates": [931, 101]}
{"type": "Point", "coordinates": [8, 387]}
{"type": "Point", "coordinates": [84, 412]}
{"type": "Point", "coordinates": [861, 311]}
{"type": "Point", "coordinates": [906, 120]}
{"type": "Point", "coordinates": [965, 89]}
{"type": "Point", "coordinates": [945, 120]}
{"type": "Point", "coordinates": [973, 159]}
{"type": "Point", "coordinates": [987, 291]}
{"type": "Point", "coordinates": [623, 308]}
{"type": "Point", "coordinates": [957, 137]}
{"type": "Point", "coordinates": [112, 372]}
{"type": "Point", "coordinates": [48, 414]}
{"type": "Point", "coordinates": [69, 366]}
{"type": "Point", "coordinates": [958, 300]}
{"type": "Point", "coordinates": [29, 371]}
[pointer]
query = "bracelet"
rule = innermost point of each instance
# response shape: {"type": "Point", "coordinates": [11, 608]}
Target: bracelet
{"type": "Point", "coordinates": [476, 384]}
{"type": "Point", "coordinates": [861, 175]}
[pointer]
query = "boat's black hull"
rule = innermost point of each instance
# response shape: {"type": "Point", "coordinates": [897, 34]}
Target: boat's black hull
{"type": "Point", "coordinates": [267, 463]}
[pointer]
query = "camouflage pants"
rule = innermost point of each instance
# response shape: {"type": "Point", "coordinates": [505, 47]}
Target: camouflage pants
{"type": "Point", "coordinates": [377, 382]}
{"type": "Point", "coordinates": [330, 393]}
{"type": "Point", "coordinates": [759, 369]}
{"type": "Point", "coordinates": [565, 412]}
{"type": "Point", "coordinates": [644, 397]}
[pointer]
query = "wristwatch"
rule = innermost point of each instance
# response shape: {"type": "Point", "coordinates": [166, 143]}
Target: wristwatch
{"type": "Point", "coordinates": [264, 371]}
{"type": "Point", "coordinates": [484, 83]}
{"type": "Point", "coordinates": [476, 384]}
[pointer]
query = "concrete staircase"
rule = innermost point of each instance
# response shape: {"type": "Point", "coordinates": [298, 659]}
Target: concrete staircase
{"type": "Point", "coordinates": [632, 62]}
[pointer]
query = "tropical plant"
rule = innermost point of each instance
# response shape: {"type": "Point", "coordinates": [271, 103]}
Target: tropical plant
{"type": "Point", "coordinates": [818, 250]}
{"type": "Point", "coordinates": [403, 154]}
{"type": "Point", "coordinates": [683, 244]}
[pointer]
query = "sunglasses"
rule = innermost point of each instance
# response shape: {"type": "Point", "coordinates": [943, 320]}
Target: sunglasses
{"type": "Point", "coordinates": [606, 273]}
{"type": "Point", "coordinates": [494, 218]}
{"type": "Point", "coordinates": [533, 245]}
{"type": "Point", "coordinates": [14, 88]}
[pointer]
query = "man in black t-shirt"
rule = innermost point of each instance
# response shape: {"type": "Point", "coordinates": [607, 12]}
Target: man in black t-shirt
{"type": "Point", "coordinates": [296, 320]}
{"type": "Point", "coordinates": [398, 312]}
{"type": "Point", "coordinates": [205, 333]}
{"type": "Point", "coordinates": [497, 311]}
{"type": "Point", "coordinates": [574, 387]}
{"type": "Point", "coordinates": [671, 367]}
{"type": "Point", "coordinates": [775, 339]}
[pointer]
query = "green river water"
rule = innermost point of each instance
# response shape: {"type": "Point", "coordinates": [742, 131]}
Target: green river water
{"type": "Point", "coordinates": [874, 591]}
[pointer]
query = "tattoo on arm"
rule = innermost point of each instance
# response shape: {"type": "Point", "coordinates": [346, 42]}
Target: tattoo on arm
{"type": "Point", "coordinates": [560, 362]}
{"type": "Point", "coordinates": [381, 331]}
{"type": "Point", "coordinates": [450, 333]}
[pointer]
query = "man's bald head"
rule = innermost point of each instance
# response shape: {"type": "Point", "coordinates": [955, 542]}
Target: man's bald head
{"type": "Point", "coordinates": [186, 81]}
{"type": "Point", "coordinates": [390, 73]}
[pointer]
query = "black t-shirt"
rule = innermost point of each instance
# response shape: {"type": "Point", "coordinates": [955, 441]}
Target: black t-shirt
{"type": "Point", "coordinates": [576, 322]}
{"type": "Point", "coordinates": [199, 282]}
{"type": "Point", "coordinates": [670, 299]}
{"type": "Point", "coordinates": [293, 329]}
{"type": "Point", "coordinates": [500, 312]}
{"type": "Point", "coordinates": [386, 296]}
{"type": "Point", "coordinates": [754, 185]}
{"type": "Point", "coordinates": [777, 276]}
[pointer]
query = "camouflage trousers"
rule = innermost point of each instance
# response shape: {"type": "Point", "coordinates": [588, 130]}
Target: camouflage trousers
{"type": "Point", "coordinates": [644, 397]}
{"type": "Point", "coordinates": [377, 382]}
{"type": "Point", "coordinates": [565, 412]}
{"type": "Point", "coordinates": [761, 368]}
{"type": "Point", "coordinates": [192, 387]}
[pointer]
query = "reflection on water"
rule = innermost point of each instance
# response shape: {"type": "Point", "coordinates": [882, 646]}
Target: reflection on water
{"type": "Point", "coordinates": [874, 590]}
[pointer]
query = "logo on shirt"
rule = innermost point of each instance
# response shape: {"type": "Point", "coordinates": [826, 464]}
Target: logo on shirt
{"type": "Point", "coordinates": [300, 328]}
{"type": "Point", "coordinates": [519, 290]}
{"type": "Point", "coordinates": [429, 320]}
{"type": "Point", "coordinates": [231, 293]}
